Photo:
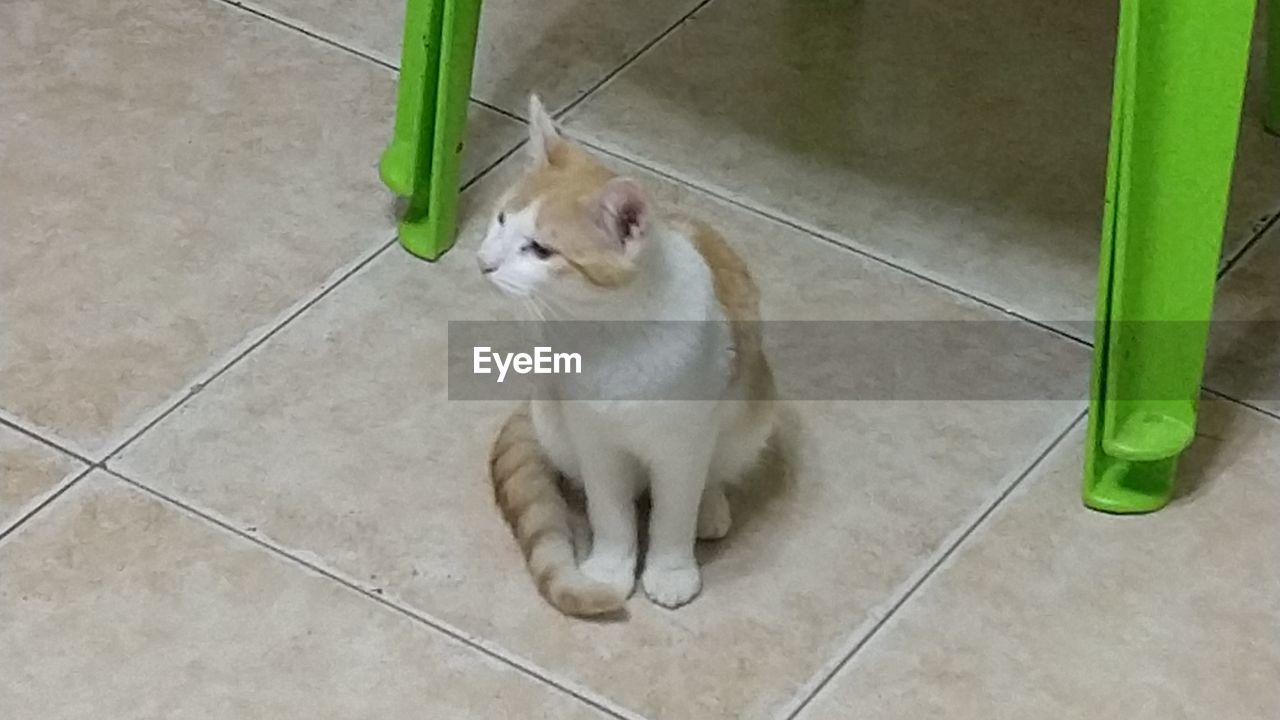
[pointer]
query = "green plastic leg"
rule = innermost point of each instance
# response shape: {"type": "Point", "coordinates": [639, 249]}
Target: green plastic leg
{"type": "Point", "coordinates": [1273, 66]}
{"type": "Point", "coordinates": [1180, 71]}
{"type": "Point", "coordinates": [422, 162]}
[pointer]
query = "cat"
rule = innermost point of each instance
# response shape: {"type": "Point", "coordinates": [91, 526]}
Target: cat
{"type": "Point", "coordinates": [577, 242]}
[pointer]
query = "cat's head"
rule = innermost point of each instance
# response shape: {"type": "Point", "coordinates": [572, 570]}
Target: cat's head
{"type": "Point", "coordinates": [569, 230]}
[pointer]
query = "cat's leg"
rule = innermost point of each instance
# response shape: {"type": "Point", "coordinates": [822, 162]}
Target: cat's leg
{"type": "Point", "coordinates": [609, 478]}
{"type": "Point", "coordinates": [714, 516]}
{"type": "Point", "coordinates": [553, 435]}
{"type": "Point", "coordinates": [737, 450]}
{"type": "Point", "coordinates": [677, 478]}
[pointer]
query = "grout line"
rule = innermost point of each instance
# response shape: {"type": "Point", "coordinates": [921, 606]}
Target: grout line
{"type": "Point", "coordinates": [369, 55]}
{"type": "Point", "coordinates": [56, 442]}
{"type": "Point", "coordinates": [825, 237]}
{"type": "Point", "coordinates": [931, 568]}
{"type": "Point", "coordinates": [377, 58]}
{"type": "Point", "coordinates": [43, 500]}
{"type": "Point", "coordinates": [500, 110]}
{"type": "Point", "coordinates": [840, 242]}
{"type": "Point", "coordinates": [1242, 403]}
{"type": "Point", "coordinates": [253, 9]}
{"type": "Point", "coordinates": [1269, 223]}
{"type": "Point", "coordinates": [869, 629]}
{"type": "Point", "coordinates": [44, 437]}
{"type": "Point", "coordinates": [629, 61]}
{"type": "Point", "coordinates": [491, 166]}
{"type": "Point", "coordinates": [458, 635]}
{"type": "Point", "coordinates": [238, 353]}
{"type": "Point", "coordinates": [725, 196]}
{"type": "Point", "coordinates": [491, 650]}
{"type": "Point", "coordinates": [1244, 249]}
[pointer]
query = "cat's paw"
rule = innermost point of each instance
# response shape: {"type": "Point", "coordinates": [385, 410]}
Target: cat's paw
{"type": "Point", "coordinates": [615, 570]}
{"type": "Point", "coordinates": [714, 518]}
{"type": "Point", "coordinates": [673, 586]}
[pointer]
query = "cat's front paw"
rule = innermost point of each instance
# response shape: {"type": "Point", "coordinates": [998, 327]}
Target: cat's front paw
{"type": "Point", "coordinates": [714, 517]}
{"type": "Point", "coordinates": [672, 586]}
{"type": "Point", "coordinates": [615, 570]}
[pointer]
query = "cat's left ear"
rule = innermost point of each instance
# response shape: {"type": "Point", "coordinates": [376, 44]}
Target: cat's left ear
{"type": "Point", "coordinates": [623, 211]}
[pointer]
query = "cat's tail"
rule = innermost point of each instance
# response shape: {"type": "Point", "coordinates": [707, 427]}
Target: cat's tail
{"type": "Point", "coordinates": [525, 486]}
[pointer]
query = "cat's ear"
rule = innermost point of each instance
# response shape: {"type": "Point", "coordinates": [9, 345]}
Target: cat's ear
{"type": "Point", "coordinates": [546, 145]}
{"type": "Point", "coordinates": [622, 210]}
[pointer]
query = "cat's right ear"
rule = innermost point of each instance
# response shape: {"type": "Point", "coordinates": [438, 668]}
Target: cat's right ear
{"type": "Point", "coordinates": [546, 145]}
{"type": "Point", "coordinates": [622, 211]}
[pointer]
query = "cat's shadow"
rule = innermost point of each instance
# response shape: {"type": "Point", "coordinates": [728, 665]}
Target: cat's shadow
{"type": "Point", "coordinates": [767, 485]}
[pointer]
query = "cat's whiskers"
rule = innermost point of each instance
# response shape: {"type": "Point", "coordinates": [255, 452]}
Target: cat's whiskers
{"type": "Point", "coordinates": [531, 307]}
{"type": "Point", "coordinates": [555, 308]}
{"type": "Point", "coordinates": [509, 289]}
{"type": "Point", "coordinates": [548, 312]}
{"type": "Point", "coordinates": [525, 306]}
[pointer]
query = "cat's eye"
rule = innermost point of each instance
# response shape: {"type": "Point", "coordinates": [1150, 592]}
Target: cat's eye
{"type": "Point", "coordinates": [540, 251]}
{"type": "Point", "coordinates": [502, 218]}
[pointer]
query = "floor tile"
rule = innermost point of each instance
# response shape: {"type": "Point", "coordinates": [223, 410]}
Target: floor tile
{"type": "Point", "coordinates": [1244, 355]}
{"type": "Point", "coordinates": [177, 174]}
{"type": "Point", "coordinates": [29, 470]}
{"type": "Point", "coordinates": [118, 605]}
{"type": "Point", "coordinates": [337, 438]}
{"type": "Point", "coordinates": [1051, 610]}
{"type": "Point", "coordinates": [558, 48]}
{"type": "Point", "coordinates": [967, 141]}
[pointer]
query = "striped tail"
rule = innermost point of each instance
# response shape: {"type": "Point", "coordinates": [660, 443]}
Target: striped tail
{"type": "Point", "coordinates": [525, 487]}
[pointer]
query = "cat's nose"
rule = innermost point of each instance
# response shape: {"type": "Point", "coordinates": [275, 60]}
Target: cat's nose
{"type": "Point", "coordinates": [485, 268]}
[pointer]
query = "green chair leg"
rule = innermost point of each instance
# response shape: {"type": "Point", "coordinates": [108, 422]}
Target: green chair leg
{"type": "Point", "coordinates": [1273, 66]}
{"type": "Point", "coordinates": [423, 159]}
{"type": "Point", "coordinates": [1180, 72]}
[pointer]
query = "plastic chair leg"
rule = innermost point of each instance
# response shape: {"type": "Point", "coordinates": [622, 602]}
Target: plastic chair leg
{"type": "Point", "coordinates": [1273, 66]}
{"type": "Point", "coordinates": [423, 159]}
{"type": "Point", "coordinates": [1180, 72]}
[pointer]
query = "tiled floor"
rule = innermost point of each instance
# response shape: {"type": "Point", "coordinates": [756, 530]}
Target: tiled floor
{"type": "Point", "coordinates": [233, 487]}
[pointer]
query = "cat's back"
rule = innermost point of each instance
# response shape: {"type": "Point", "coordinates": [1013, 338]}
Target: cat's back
{"type": "Point", "coordinates": [734, 287]}
{"type": "Point", "coordinates": [736, 293]}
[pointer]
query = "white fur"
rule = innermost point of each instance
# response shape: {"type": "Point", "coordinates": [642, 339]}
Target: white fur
{"type": "Point", "coordinates": [517, 273]}
{"type": "Point", "coordinates": [683, 449]}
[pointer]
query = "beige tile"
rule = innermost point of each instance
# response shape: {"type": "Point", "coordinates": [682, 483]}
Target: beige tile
{"type": "Point", "coordinates": [117, 605]}
{"type": "Point", "coordinates": [1244, 355]}
{"type": "Point", "coordinates": [558, 48]}
{"type": "Point", "coordinates": [336, 438]}
{"type": "Point", "coordinates": [175, 176]}
{"type": "Point", "coordinates": [29, 470]}
{"type": "Point", "coordinates": [967, 141]}
{"type": "Point", "coordinates": [1051, 610]}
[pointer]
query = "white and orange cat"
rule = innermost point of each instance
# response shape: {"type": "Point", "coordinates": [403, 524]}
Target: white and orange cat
{"type": "Point", "coordinates": [578, 242]}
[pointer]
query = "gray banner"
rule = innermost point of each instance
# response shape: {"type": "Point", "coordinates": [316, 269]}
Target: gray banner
{"type": "Point", "coordinates": [812, 360]}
